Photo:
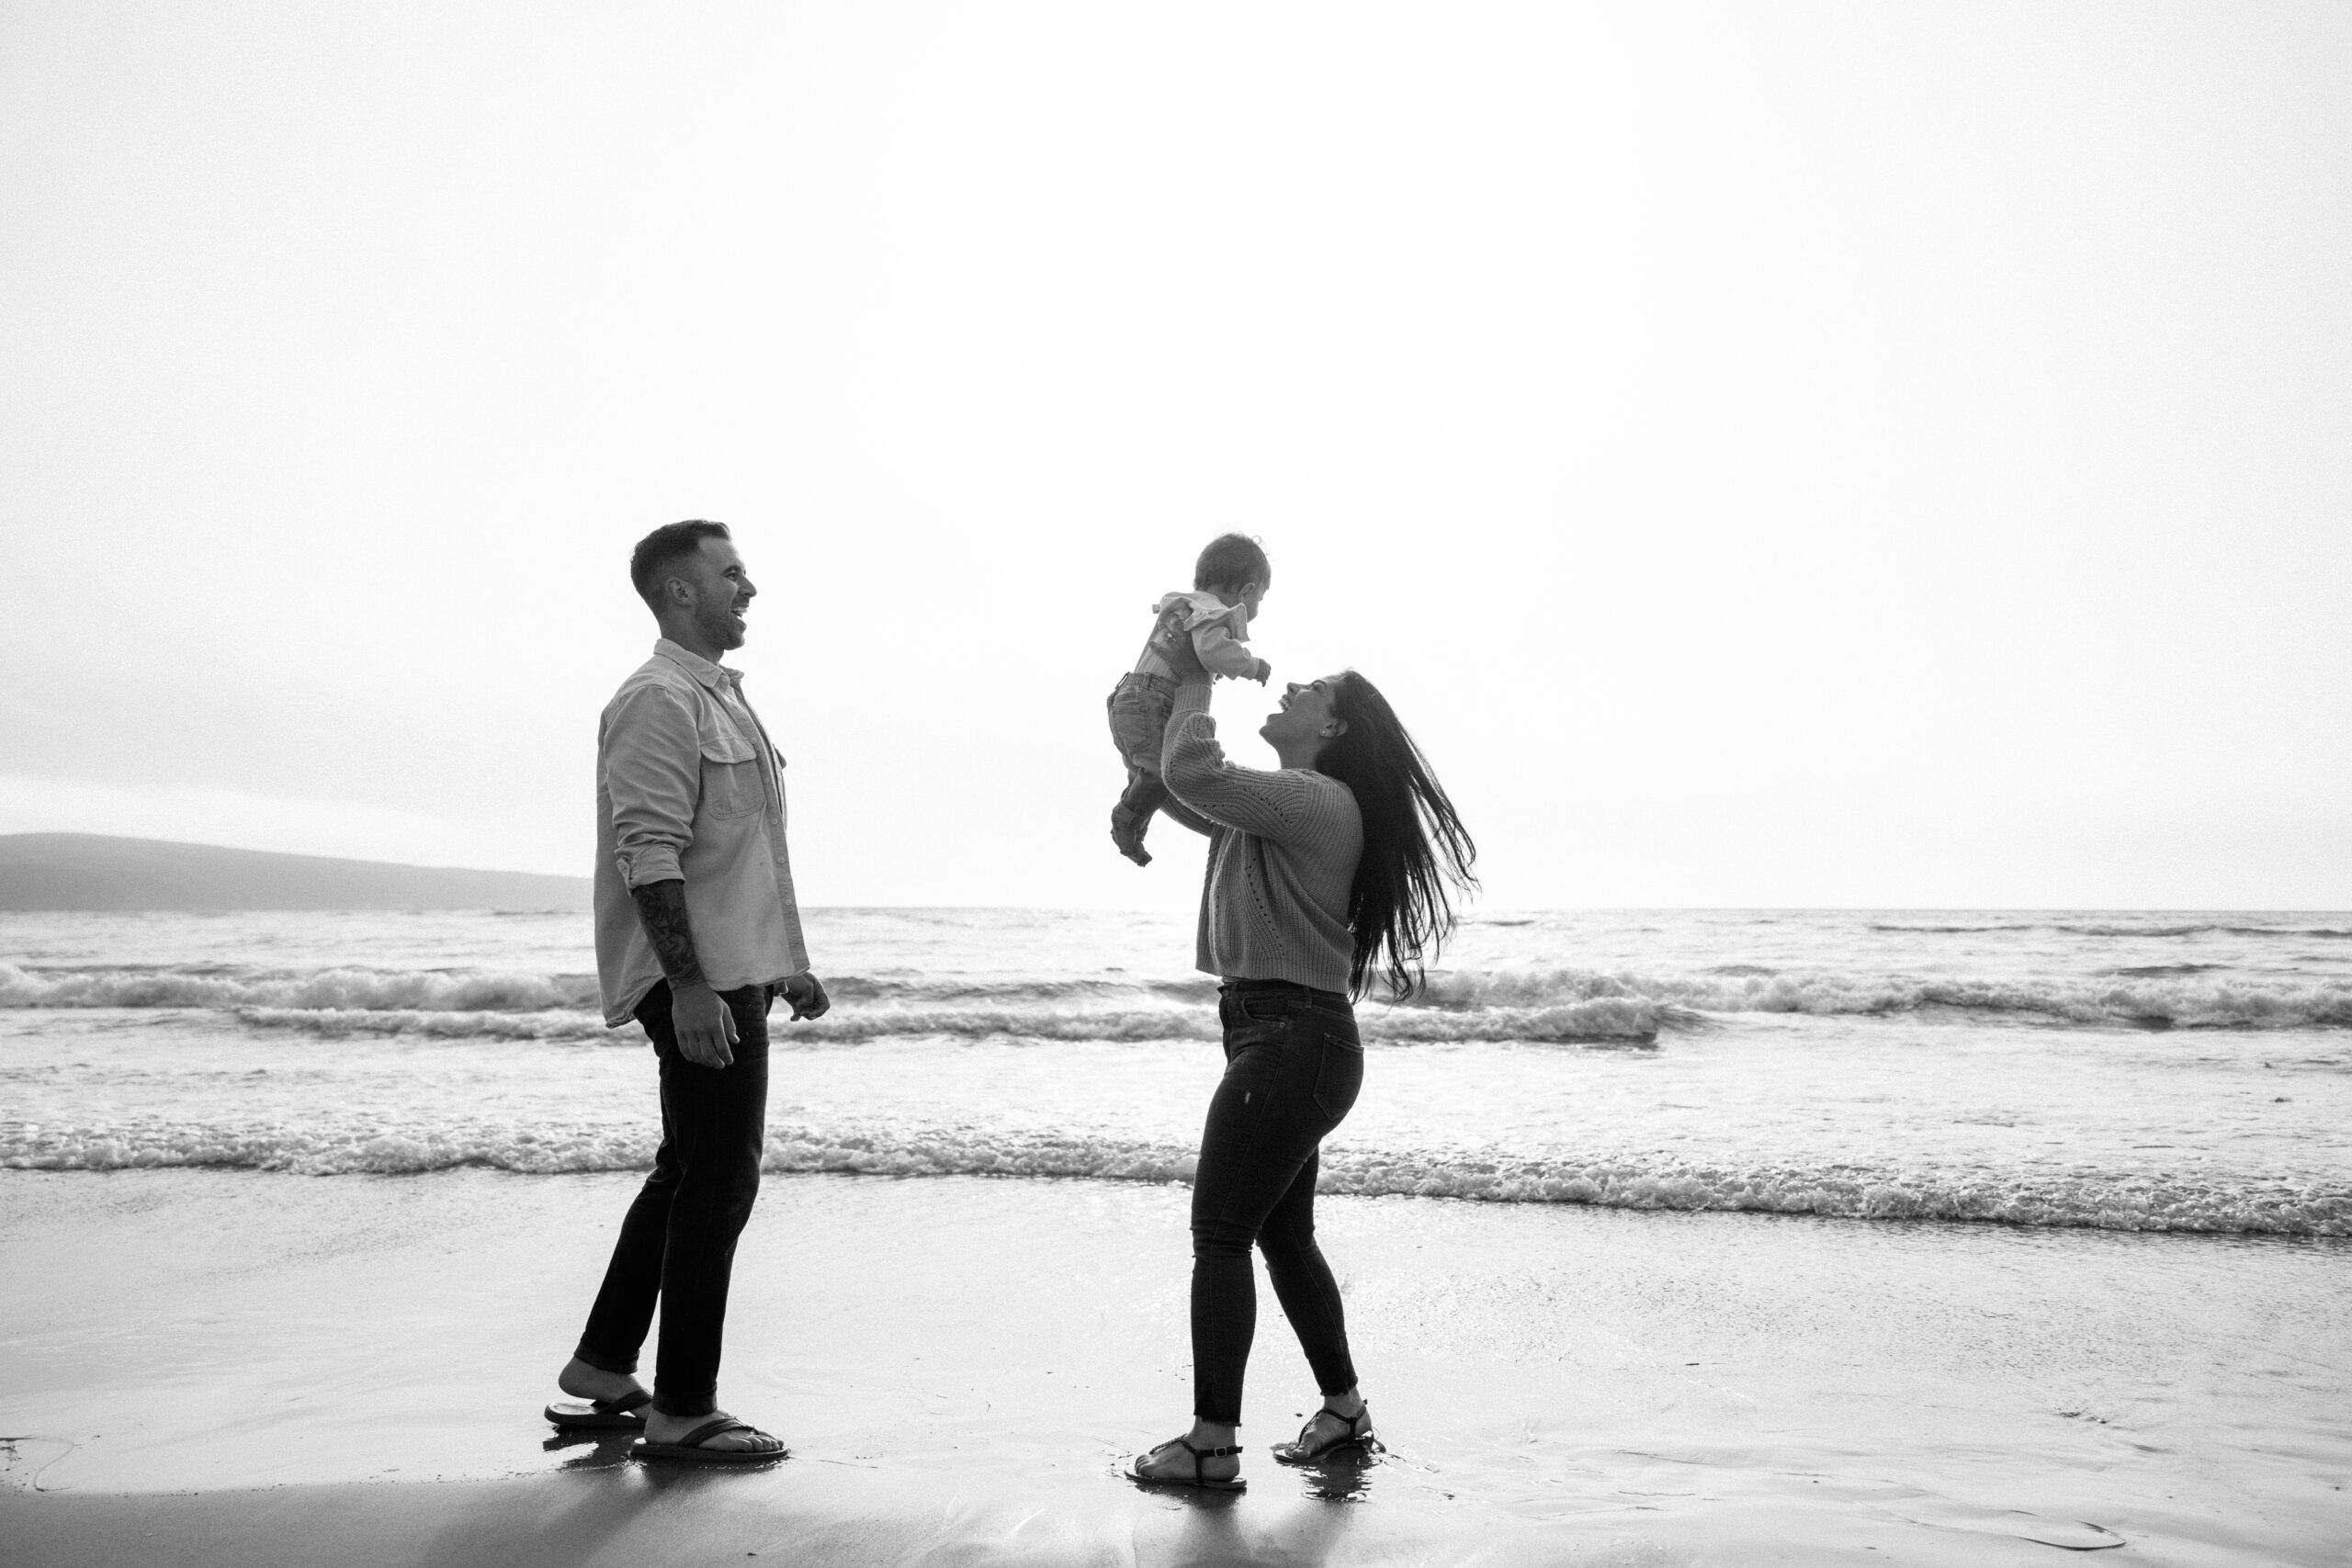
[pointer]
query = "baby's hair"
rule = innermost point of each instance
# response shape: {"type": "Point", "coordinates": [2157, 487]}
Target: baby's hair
{"type": "Point", "coordinates": [1231, 560]}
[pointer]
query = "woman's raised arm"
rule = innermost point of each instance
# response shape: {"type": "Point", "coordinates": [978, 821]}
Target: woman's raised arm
{"type": "Point", "coordinates": [1275, 806]}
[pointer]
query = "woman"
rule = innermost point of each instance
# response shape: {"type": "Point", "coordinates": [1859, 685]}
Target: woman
{"type": "Point", "coordinates": [1320, 876]}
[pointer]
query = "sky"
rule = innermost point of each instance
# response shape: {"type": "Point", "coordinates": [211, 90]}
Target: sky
{"type": "Point", "coordinates": [1771, 455]}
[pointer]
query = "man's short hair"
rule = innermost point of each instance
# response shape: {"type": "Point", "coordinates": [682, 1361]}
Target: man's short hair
{"type": "Point", "coordinates": [649, 563]}
{"type": "Point", "coordinates": [1231, 560]}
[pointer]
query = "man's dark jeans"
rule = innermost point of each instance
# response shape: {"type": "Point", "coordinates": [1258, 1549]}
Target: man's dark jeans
{"type": "Point", "coordinates": [1293, 1064]}
{"type": "Point", "coordinates": [678, 1240]}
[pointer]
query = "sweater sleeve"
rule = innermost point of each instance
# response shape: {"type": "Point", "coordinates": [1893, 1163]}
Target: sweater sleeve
{"type": "Point", "coordinates": [1275, 806]}
{"type": "Point", "coordinates": [1184, 815]}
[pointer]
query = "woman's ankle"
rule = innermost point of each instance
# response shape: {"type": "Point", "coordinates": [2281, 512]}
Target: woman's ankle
{"type": "Point", "coordinates": [1346, 1406]}
{"type": "Point", "coordinates": [1212, 1434]}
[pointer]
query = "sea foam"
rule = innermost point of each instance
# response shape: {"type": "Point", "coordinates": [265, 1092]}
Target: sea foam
{"type": "Point", "coordinates": [2079, 1198]}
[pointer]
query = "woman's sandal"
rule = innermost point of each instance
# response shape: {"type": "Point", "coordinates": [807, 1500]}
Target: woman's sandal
{"type": "Point", "coordinates": [1231, 1483]}
{"type": "Point", "coordinates": [1306, 1450]}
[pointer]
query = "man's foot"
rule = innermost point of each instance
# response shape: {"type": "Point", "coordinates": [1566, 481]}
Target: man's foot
{"type": "Point", "coordinates": [732, 1439]}
{"type": "Point", "coordinates": [583, 1381]}
{"type": "Point", "coordinates": [609, 1402]}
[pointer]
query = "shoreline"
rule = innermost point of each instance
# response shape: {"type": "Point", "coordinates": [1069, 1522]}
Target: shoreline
{"type": "Point", "coordinates": [961, 1364]}
{"type": "Point", "coordinates": [1920, 1205]}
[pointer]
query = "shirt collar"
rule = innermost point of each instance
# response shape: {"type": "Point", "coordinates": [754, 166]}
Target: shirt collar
{"type": "Point", "coordinates": [714, 676]}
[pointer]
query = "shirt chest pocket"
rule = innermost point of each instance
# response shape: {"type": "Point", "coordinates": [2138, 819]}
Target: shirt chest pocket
{"type": "Point", "coordinates": [731, 785]}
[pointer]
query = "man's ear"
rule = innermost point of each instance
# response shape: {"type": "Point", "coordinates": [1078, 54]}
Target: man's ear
{"type": "Point", "coordinates": [677, 590]}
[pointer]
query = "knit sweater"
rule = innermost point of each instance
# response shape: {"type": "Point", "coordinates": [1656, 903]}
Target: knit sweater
{"type": "Point", "coordinates": [1282, 853]}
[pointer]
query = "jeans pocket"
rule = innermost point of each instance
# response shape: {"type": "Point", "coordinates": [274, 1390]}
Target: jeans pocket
{"type": "Point", "coordinates": [1339, 1076]}
{"type": "Point", "coordinates": [1251, 1021]}
{"type": "Point", "coordinates": [1241, 1036]}
{"type": "Point", "coordinates": [1262, 1014]}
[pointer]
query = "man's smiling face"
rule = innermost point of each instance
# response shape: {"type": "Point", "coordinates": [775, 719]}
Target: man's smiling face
{"type": "Point", "coordinates": [723, 591]}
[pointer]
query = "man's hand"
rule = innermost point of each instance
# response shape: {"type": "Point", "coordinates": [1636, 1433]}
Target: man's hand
{"type": "Point", "coordinates": [704, 1027]}
{"type": "Point", "coordinates": [806, 995]}
{"type": "Point", "coordinates": [1174, 644]}
{"type": "Point", "coordinates": [706, 1030]}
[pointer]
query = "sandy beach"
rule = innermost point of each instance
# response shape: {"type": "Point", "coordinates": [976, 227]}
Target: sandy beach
{"type": "Point", "coordinates": [226, 1369]}
{"type": "Point", "coordinates": [1765, 588]}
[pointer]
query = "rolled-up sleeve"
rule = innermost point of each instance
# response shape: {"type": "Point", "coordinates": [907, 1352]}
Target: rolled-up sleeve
{"type": "Point", "coordinates": [652, 765]}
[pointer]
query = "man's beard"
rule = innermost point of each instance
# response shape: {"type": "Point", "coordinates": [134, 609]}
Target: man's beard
{"type": "Point", "coordinates": [717, 624]}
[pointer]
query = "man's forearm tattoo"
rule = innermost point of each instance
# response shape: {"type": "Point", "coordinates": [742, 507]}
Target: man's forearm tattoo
{"type": "Point", "coordinates": [662, 910]}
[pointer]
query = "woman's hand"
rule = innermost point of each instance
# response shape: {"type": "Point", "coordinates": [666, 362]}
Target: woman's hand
{"type": "Point", "coordinates": [1174, 644]}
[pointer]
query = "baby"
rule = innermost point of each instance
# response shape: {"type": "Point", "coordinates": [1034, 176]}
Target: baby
{"type": "Point", "coordinates": [1227, 582]}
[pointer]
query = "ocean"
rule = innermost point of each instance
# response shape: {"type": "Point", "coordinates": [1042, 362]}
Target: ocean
{"type": "Point", "coordinates": [2141, 1072]}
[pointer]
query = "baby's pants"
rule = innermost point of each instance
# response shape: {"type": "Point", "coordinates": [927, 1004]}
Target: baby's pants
{"type": "Point", "coordinates": [1140, 706]}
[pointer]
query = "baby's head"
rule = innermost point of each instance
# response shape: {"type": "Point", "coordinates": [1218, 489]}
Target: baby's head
{"type": "Point", "coordinates": [1234, 569]}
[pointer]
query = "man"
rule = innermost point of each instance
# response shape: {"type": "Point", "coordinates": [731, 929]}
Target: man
{"type": "Point", "coordinates": [696, 934]}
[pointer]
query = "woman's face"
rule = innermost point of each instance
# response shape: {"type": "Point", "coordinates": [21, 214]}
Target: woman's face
{"type": "Point", "coordinates": [1298, 724]}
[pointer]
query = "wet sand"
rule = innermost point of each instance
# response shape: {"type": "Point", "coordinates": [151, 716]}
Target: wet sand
{"type": "Point", "coordinates": [240, 1369]}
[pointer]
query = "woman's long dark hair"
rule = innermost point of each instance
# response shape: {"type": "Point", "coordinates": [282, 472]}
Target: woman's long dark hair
{"type": "Point", "coordinates": [1416, 851]}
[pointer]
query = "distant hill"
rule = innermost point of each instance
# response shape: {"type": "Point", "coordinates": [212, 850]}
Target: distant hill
{"type": "Point", "coordinates": [95, 870]}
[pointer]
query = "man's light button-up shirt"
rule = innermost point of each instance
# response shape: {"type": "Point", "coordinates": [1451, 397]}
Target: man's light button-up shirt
{"type": "Point", "coordinates": [689, 788]}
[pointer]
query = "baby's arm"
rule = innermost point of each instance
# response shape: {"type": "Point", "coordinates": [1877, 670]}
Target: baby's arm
{"type": "Point", "coordinates": [1224, 655]}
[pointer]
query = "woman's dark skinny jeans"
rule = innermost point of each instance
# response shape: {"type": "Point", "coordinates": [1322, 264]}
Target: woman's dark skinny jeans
{"type": "Point", "coordinates": [678, 1239]}
{"type": "Point", "coordinates": [1293, 1064]}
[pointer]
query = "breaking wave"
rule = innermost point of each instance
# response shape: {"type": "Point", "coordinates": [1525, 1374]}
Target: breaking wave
{"type": "Point", "coordinates": [2144, 1001]}
{"type": "Point", "coordinates": [2116, 929]}
{"type": "Point", "coordinates": [227, 987]}
{"type": "Point", "coordinates": [1619, 1019]}
{"type": "Point", "coordinates": [2133, 1202]}
{"type": "Point", "coordinates": [1528, 1004]}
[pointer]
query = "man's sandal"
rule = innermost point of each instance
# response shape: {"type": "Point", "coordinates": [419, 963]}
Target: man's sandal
{"type": "Point", "coordinates": [1307, 1450]}
{"type": "Point", "coordinates": [622, 1415]}
{"type": "Point", "coordinates": [690, 1447]}
{"type": "Point", "coordinates": [1231, 1483]}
